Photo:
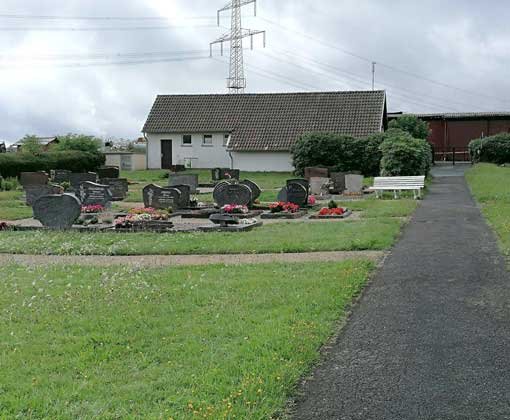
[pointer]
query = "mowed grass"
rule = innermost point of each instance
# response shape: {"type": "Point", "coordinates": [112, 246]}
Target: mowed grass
{"type": "Point", "coordinates": [11, 206]}
{"type": "Point", "coordinates": [181, 343]}
{"type": "Point", "coordinates": [376, 208]}
{"type": "Point", "coordinates": [489, 185]}
{"type": "Point", "coordinates": [369, 234]}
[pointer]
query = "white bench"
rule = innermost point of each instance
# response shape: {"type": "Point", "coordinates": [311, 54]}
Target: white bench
{"type": "Point", "coordinates": [399, 183]}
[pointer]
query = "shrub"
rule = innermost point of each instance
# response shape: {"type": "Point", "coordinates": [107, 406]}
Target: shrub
{"type": "Point", "coordinates": [12, 164]}
{"type": "Point", "coordinates": [10, 184]}
{"type": "Point", "coordinates": [30, 144]}
{"type": "Point", "coordinates": [417, 128]}
{"type": "Point", "coordinates": [494, 149]}
{"type": "Point", "coordinates": [403, 155]}
{"type": "Point", "coordinates": [338, 152]}
{"type": "Point", "coordinates": [80, 142]}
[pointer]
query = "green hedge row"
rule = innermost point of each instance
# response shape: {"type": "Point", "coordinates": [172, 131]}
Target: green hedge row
{"type": "Point", "coordinates": [393, 153]}
{"type": "Point", "coordinates": [12, 164]}
{"type": "Point", "coordinates": [494, 149]}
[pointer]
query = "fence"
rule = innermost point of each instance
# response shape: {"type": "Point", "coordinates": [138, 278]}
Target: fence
{"type": "Point", "coordinates": [450, 154]}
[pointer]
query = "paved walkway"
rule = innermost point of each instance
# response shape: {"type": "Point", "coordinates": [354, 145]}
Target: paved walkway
{"type": "Point", "coordinates": [182, 260]}
{"type": "Point", "coordinates": [430, 339]}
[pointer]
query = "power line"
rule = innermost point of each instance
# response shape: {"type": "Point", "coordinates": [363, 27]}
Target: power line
{"type": "Point", "coordinates": [98, 18]}
{"type": "Point", "coordinates": [99, 29]}
{"type": "Point", "coordinates": [390, 67]}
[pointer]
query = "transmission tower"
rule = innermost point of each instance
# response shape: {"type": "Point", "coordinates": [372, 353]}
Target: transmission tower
{"type": "Point", "coordinates": [236, 81]}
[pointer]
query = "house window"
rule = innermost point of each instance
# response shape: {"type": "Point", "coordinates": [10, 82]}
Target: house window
{"type": "Point", "coordinates": [226, 138]}
{"type": "Point", "coordinates": [207, 140]}
{"type": "Point", "coordinates": [186, 140]}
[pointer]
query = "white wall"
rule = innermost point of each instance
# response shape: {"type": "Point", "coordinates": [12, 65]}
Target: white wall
{"type": "Point", "coordinates": [263, 161]}
{"type": "Point", "coordinates": [203, 156]}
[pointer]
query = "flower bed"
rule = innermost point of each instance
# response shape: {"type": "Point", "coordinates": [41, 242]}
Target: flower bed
{"type": "Point", "coordinates": [93, 209]}
{"type": "Point", "coordinates": [281, 210]}
{"type": "Point", "coordinates": [4, 226]}
{"type": "Point", "coordinates": [332, 213]}
{"type": "Point", "coordinates": [145, 219]}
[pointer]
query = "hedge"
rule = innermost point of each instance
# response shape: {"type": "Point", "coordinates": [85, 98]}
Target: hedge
{"type": "Point", "coordinates": [12, 164]}
{"type": "Point", "coordinates": [403, 155]}
{"type": "Point", "coordinates": [494, 149]}
{"type": "Point", "coordinates": [337, 152]}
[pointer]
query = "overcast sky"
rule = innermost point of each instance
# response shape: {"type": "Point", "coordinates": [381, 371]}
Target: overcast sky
{"type": "Point", "coordinates": [433, 56]}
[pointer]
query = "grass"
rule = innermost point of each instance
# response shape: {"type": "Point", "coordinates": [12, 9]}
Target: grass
{"type": "Point", "coordinates": [369, 234]}
{"type": "Point", "coordinates": [489, 185]}
{"type": "Point", "coordinates": [11, 206]}
{"type": "Point", "coordinates": [375, 208]}
{"type": "Point", "coordinates": [180, 343]}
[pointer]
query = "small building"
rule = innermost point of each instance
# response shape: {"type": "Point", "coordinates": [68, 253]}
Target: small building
{"type": "Point", "coordinates": [45, 142]}
{"type": "Point", "coordinates": [253, 132]}
{"type": "Point", "coordinates": [451, 131]}
{"type": "Point", "coordinates": [3, 148]}
{"type": "Point", "coordinates": [125, 160]}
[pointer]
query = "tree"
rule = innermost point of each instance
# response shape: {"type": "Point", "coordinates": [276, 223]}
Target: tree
{"type": "Point", "coordinates": [80, 142]}
{"type": "Point", "coordinates": [411, 124]}
{"type": "Point", "coordinates": [30, 144]}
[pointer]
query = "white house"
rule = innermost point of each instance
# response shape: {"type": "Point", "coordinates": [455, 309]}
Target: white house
{"type": "Point", "coordinates": [253, 132]}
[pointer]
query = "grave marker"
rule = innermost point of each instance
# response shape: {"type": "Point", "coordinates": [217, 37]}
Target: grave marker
{"type": "Point", "coordinates": [238, 194]}
{"type": "Point", "coordinates": [91, 193]}
{"type": "Point", "coordinates": [161, 198]}
{"type": "Point", "coordinates": [174, 180]}
{"type": "Point", "coordinates": [316, 172]}
{"type": "Point", "coordinates": [33, 178]}
{"type": "Point", "coordinates": [75, 179]}
{"type": "Point", "coordinates": [34, 192]}
{"type": "Point", "coordinates": [108, 172]}
{"type": "Point", "coordinates": [297, 193]}
{"type": "Point", "coordinates": [57, 211]}
{"type": "Point", "coordinates": [119, 187]}
{"type": "Point", "coordinates": [354, 184]}
{"type": "Point", "coordinates": [59, 176]}
{"type": "Point", "coordinates": [255, 189]}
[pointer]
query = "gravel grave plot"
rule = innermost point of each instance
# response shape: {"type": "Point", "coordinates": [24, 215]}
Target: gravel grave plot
{"type": "Point", "coordinates": [191, 260]}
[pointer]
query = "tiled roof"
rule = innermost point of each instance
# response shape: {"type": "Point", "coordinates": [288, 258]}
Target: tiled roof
{"type": "Point", "coordinates": [271, 121]}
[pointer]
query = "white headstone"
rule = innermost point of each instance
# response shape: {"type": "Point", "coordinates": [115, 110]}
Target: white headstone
{"type": "Point", "coordinates": [353, 184]}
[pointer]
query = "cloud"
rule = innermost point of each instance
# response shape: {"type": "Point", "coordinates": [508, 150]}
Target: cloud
{"type": "Point", "coordinates": [50, 85]}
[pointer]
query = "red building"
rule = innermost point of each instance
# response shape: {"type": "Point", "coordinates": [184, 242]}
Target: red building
{"type": "Point", "coordinates": [451, 133]}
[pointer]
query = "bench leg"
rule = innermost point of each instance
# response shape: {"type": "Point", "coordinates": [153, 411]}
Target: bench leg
{"type": "Point", "coordinates": [395, 194]}
{"type": "Point", "coordinates": [415, 194]}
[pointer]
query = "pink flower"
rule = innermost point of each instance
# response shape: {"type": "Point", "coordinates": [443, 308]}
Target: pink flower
{"type": "Point", "coordinates": [312, 200]}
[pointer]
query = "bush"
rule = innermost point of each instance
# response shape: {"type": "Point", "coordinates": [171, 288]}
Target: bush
{"type": "Point", "coordinates": [494, 149]}
{"type": "Point", "coordinates": [12, 164]}
{"type": "Point", "coordinates": [338, 152]}
{"type": "Point", "coordinates": [10, 184]}
{"type": "Point", "coordinates": [417, 128]}
{"type": "Point", "coordinates": [80, 142]}
{"type": "Point", "coordinates": [403, 155]}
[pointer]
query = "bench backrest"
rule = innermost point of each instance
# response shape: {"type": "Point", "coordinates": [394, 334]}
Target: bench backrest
{"type": "Point", "coordinates": [400, 181]}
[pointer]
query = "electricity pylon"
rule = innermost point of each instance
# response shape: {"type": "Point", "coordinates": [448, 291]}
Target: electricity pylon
{"type": "Point", "coordinates": [236, 81]}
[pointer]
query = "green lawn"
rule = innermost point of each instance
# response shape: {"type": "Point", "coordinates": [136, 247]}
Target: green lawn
{"type": "Point", "coordinates": [375, 208]}
{"type": "Point", "coordinates": [489, 185]}
{"type": "Point", "coordinates": [11, 206]}
{"type": "Point", "coordinates": [204, 342]}
{"type": "Point", "coordinates": [368, 234]}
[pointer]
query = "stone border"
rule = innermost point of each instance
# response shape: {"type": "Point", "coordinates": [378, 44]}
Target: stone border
{"type": "Point", "coordinates": [230, 228]}
{"type": "Point", "coordinates": [284, 215]}
{"type": "Point", "coordinates": [319, 217]}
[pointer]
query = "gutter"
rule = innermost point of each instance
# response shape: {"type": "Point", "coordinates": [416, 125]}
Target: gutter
{"type": "Point", "coordinates": [146, 150]}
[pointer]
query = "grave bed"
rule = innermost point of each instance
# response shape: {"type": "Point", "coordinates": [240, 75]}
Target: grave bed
{"type": "Point", "coordinates": [284, 215]}
{"type": "Point", "coordinates": [342, 216]}
{"type": "Point", "coordinates": [230, 228]}
{"type": "Point", "coordinates": [152, 226]}
{"type": "Point", "coordinates": [250, 215]}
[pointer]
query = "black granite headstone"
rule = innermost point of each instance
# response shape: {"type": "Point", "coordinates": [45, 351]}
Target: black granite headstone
{"type": "Point", "coordinates": [59, 176]}
{"type": "Point", "coordinates": [33, 178]}
{"type": "Point", "coordinates": [297, 194]}
{"type": "Point", "coordinates": [161, 198]}
{"type": "Point", "coordinates": [34, 192]}
{"type": "Point", "coordinates": [184, 179]}
{"type": "Point", "coordinates": [77, 178]}
{"type": "Point", "coordinates": [185, 196]}
{"type": "Point", "coordinates": [255, 189]}
{"type": "Point", "coordinates": [57, 211]}
{"type": "Point", "coordinates": [91, 193]}
{"type": "Point", "coordinates": [338, 180]}
{"type": "Point", "coordinates": [108, 172]}
{"type": "Point", "coordinates": [237, 194]}
{"type": "Point", "coordinates": [119, 187]}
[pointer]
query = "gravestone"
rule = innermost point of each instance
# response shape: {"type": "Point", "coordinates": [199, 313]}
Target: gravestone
{"type": "Point", "coordinates": [319, 186]}
{"type": "Point", "coordinates": [303, 182]}
{"type": "Point", "coordinates": [34, 192]}
{"type": "Point", "coordinates": [184, 179]}
{"type": "Point", "coordinates": [60, 175]}
{"type": "Point", "coordinates": [75, 179]}
{"type": "Point", "coordinates": [119, 187]}
{"type": "Point", "coordinates": [33, 178]}
{"type": "Point", "coordinates": [237, 194]}
{"type": "Point", "coordinates": [282, 195]}
{"type": "Point", "coordinates": [353, 183]}
{"type": "Point", "coordinates": [57, 211]}
{"type": "Point", "coordinates": [219, 174]}
{"type": "Point", "coordinates": [108, 172]}
{"type": "Point", "coordinates": [255, 189]}
{"type": "Point", "coordinates": [297, 194]}
{"type": "Point", "coordinates": [161, 198]}
{"type": "Point", "coordinates": [314, 172]}
{"type": "Point", "coordinates": [338, 181]}
{"type": "Point", "coordinates": [185, 196]}
{"type": "Point", "coordinates": [224, 219]}
{"type": "Point", "coordinates": [91, 193]}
